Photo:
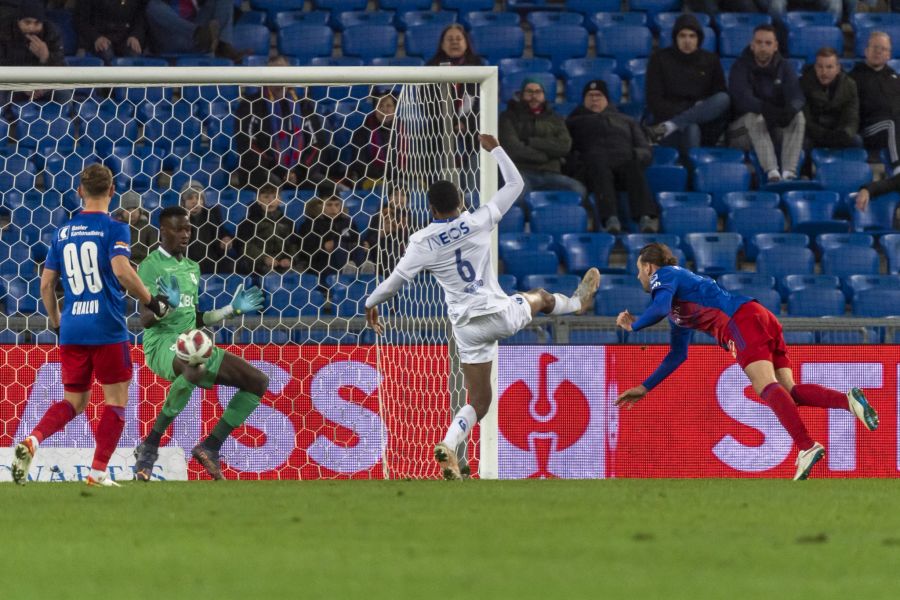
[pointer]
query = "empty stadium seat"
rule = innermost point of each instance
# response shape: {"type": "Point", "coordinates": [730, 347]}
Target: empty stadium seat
{"type": "Point", "coordinates": [559, 43]}
{"type": "Point", "coordinates": [827, 241]}
{"type": "Point", "coordinates": [600, 20]}
{"type": "Point", "coordinates": [397, 61]}
{"type": "Point", "coordinates": [877, 302]}
{"type": "Point", "coordinates": [553, 18]}
{"type": "Point", "coordinates": [652, 7]}
{"type": "Point", "coordinates": [804, 42]}
{"type": "Point", "coordinates": [510, 243]}
{"type": "Point", "coordinates": [353, 18]}
{"type": "Point", "coordinates": [590, 7]}
{"type": "Point", "coordinates": [507, 283]}
{"type": "Point", "coordinates": [581, 251]}
{"type": "Point", "coordinates": [615, 299]}
{"type": "Point", "coordinates": [624, 42]}
{"type": "Point", "coordinates": [719, 178]}
{"type": "Point", "coordinates": [733, 39]}
{"type": "Point", "coordinates": [779, 261]}
{"type": "Point", "coordinates": [509, 66]}
{"type": "Point", "coordinates": [526, 262]}
{"type": "Point", "coordinates": [715, 154]}
{"type": "Point", "coordinates": [878, 218]}
{"type": "Point", "coordinates": [555, 284]}
{"type": "Point", "coordinates": [494, 42]}
{"type": "Point", "coordinates": [863, 283]}
{"type": "Point", "coordinates": [304, 41]}
{"type": "Point", "coordinates": [816, 302]}
{"type": "Point", "coordinates": [369, 41]}
{"type": "Point", "coordinates": [671, 199]}
{"type": "Point", "coordinates": [750, 221]}
{"type": "Point", "coordinates": [666, 20]}
{"type": "Point", "coordinates": [736, 200]}
{"type": "Point", "coordinates": [847, 260]}
{"type": "Point", "coordinates": [768, 240]}
{"type": "Point", "coordinates": [890, 243]}
{"type": "Point", "coordinates": [844, 176]}
{"type": "Point", "coordinates": [285, 18]}
{"type": "Point", "coordinates": [737, 281]}
{"type": "Point", "coordinates": [768, 297]}
{"type": "Point", "coordinates": [559, 219]}
{"type": "Point", "coordinates": [812, 212]}
{"type": "Point", "coordinates": [513, 221]}
{"type": "Point", "coordinates": [821, 156]}
{"type": "Point", "coordinates": [665, 155]}
{"type": "Point", "coordinates": [479, 18]}
{"type": "Point", "coordinates": [666, 178]}
{"type": "Point", "coordinates": [465, 6]}
{"type": "Point", "coordinates": [796, 282]}
{"type": "Point", "coordinates": [551, 197]}
{"type": "Point", "coordinates": [714, 253]}
{"type": "Point", "coordinates": [255, 38]}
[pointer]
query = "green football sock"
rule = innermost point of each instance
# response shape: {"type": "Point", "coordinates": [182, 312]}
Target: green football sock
{"type": "Point", "coordinates": [241, 405]}
{"type": "Point", "coordinates": [179, 395]}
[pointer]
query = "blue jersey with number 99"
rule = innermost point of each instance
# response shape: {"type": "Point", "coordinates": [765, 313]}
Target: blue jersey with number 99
{"type": "Point", "coordinates": [81, 252]}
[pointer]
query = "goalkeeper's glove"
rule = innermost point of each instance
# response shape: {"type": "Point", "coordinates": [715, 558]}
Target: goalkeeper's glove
{"type": "Point", "coordinates": [169, 297]}
{"type": "Point", "coordinates": [246, 301]}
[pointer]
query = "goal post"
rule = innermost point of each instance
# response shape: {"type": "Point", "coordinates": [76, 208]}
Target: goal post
{"type": "Point", "coordinates": [168, 128]}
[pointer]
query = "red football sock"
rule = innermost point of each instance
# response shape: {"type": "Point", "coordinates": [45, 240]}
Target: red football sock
{"type": "Point", "coordinates": [778, 398]}
{"type": "Point", "coordinates": [56, 417]}
{"type": "Point", "coordinates": [810, 394]}
{"type": "Point", "coordinates": [112, 422]}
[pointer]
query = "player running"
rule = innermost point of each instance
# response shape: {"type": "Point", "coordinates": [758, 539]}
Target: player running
{"type": "Point", "coordinates": [92, 252]}
{"type": "Point", "coordinates": [168, 269]}
{"type": "Point", "coordinates": [456, 248]}
{"type": "Point", "coordinates": [746, 328]}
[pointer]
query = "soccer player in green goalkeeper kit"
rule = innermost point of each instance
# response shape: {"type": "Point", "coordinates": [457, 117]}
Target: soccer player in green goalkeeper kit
{"type": "Point", "coordinates": [169, 272]}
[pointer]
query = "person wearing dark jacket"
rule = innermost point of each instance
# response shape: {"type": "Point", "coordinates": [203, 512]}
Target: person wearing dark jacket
{"type": "Point", "coordinates": [536, 139]}
{"type": "Point", "coordinates": [873, 189]}
{"type": "Point", "coordinates": [832, 105]}
{"type": "Point", "coordinates": [281, 139]}
{"type": "Point", "coordinates": [611, 153]}
{"type": "Point", "coordinates": [767, 100]}
{"type": "Point", "coordinates": [29, 40]}
{"type": "Point", "coordinates": [371, 143]}
{"type": "Point", "coordinates": [211, 245]}
{"type": "Point", "coordinates": [879, 98]}
{"type": "Point", "coordinates": [686, 90]}
{"type": "Point", "coordinates": [269, 237]}
{"type": "Point", "coordinates": [111, 28]}
{"type": "Point", "coordinates": [328, 239]}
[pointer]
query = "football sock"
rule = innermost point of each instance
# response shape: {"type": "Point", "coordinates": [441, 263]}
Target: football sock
{"type": "Point", "coordinates": [179, 395]}
{"type": "Point", "coordinates": [112, 421]}
{"type": "Point", "coordinates": [239, 408]}
{"type": "Point", "coordinates": [462, 424]}
{"type": "Point", "coordinates": [565, 305]}
{"type": "Point", "coordinates": [810, 394]}
{"type": "Point", "coordinates": [56, 417]}
{"type": "Point", "coordinates": [788, 415]}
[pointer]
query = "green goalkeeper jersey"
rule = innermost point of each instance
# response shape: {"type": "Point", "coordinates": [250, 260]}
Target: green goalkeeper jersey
{"type": "Point", "coordinates": [160, 263]}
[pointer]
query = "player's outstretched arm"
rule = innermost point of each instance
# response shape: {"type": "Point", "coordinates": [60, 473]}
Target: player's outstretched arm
{"type": "Point", "coordinates": [128, 277]}
{"type": "Point", "coordinates": [385, 291]}
{"type": "Point", "coordinates": [513, 184]}
{"type": "Point", "coordinates": [49, 277]}
{"type": "Point", "coordinates": [244, 302]}
{"type": "Point", "coordinates": [680, 340]}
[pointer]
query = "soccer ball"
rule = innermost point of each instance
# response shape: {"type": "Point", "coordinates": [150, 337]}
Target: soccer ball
{"type": "Point", "coordinates": [194, 347]}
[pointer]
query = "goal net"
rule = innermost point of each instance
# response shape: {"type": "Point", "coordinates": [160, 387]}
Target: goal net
{"type": "Point", "coordinates": [305, 182]}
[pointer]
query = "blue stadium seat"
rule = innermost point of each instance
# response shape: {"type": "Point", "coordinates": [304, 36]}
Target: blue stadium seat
{"type": "Point", "coordinates": [16, 173]}
{"type": "Point", "coordinates": [510, 243]}
{"type": "Point", "coordinates": [847, 260]}
{"type": "Point", "coordinates": [617, 19]}
{"type": "Point", "coordinates": [750, 221]}
{"type": "Point", "coordinates": [552, 18]}
{"type": "Point", "coordinates": [715, 154]}
{"type": "Point", "coordinates": [592, 337]}
{"type": "Point", "coordinates": [560, 43]}
{"type": "Point", "coordinates": [45, 129]}
{"type": "Point", "coordinates": [827, 241]}
{"type": "Point", "coordinates": [555, 284]}
{"type": "Point", "coordinates": [304, 41]}
{"type": "Point", "coordinates": [134, 172]}
{"type": "Point", "coordinates": [768, 240]}
{"type": "Point", "coordinates": [398, 61]}
{"type": "Point", "coordinates": [671, 199]}
{"type": "Point", "coordinates": [874, 20]}
{"type": "Point", "coordinates": [890, 243]}
{"type": "Point", "coordinates": [666, 178]}
{"type": "Point", "coordinates": [21, 295]}
{"type": "Point", "coordinates": [65, 24]}
{"type": "Point", "coordinates": [804, 42]}
{"type": "Point", "coordinates": [551, 197]}
{"type": "Point", "coordinates": [513, 221]}
{"type": "Point", "coordinates": [812, 212]}
{"type": "Point", "coordinates": [779, 261]}
{"type": "Point", "coordinates": [844, 176]}
{"type": "Point", "coordinates": [719, 179]}
{"type": "Point", "coordinates": [709, 39]}
{"type": "Point", "coordinates": [252, 17]}
{"type": "Point", "coordinates": [494, 42]}
{"type": "Point", "coordinates": [559, 219]}
{"type": "Point", "coordinates": [590, 7]}
{"type": "Point", "coordinates": [466, 6]}
{"type": "Point", "coordinates": [511, 84]}
{"type": "Point", "coordinates": [877, 302]}
{"type": "Point", "coordinates": [768, 297]}
{"type": "Point", "coordinates": [84, 61]}
{"type": "Point", "coordinates": [821, 156]}
{"type": "Point", "coordinates": [255, 38]}
{"type": "Point", "coordinates": [816, 302]}
{"type": "Point", "coordinates": [682, 220]}
{"type": "Point", "coordinates": [369, 41]}
{"type": "Point", "coordinates": [796, 19]}
{"type": "Point", "coordinates": [521, 264]}
{"type": "Point", "coordinates": [413, 18]}
{"type": "Point", "coordinates": [737, 281]}
{"type": "Point", "coordinates": [664, 155]}
{"type": "Point", "coordinates": [575, 85]}
{"type": "Point", "coordinates": [714, 253]}
{"type": "Point", "coordinates": [794, 283]}
{"type": "Point", "coordinates": [857, 284]}
{"type": "Point", "coordinates": [733, 39]}
{"type": "Point", "coordinates": [737, 200]}
{"type": "Point", "coordinates": [633, 68]}
{"type": "Point", "coordinates": [507, 283]}
{"type": "Point", "coordinates": [364, 17]}
{"type": "Point", "coordinates": [878, 217]}
{"type": "Point", "coordinates": [581, 251]}
{"type": "Point", "coordinates": [508, 66]}
{"type": "Point", "coordinates": [479, 18]}
{"type": "Point", "coordinates": [337, 61]}
{"type": "Point", "coordinates": [666, 20]}
{"type": "Point", "coordinates": [862, 38]}
{"type": "Point", "coordinates": [339, 6]}
{"type": "Point", "coordinates": [404, 6]}
{"type": "Point", "coordinates": [728, 20]}
{"type": "Point", "coordinates": [652, 7]}
{"type": "Point", "coordinates": [633, 242]}
{"type": "Point", "coordinates": [282, 19]}
{"type": "Point", "coordinates": [615, 299]}
{"type": "Point", "coordinates": [624, 42]}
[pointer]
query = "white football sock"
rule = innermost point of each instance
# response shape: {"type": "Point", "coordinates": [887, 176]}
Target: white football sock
{"type": "Point", "coordinates": [565, 305]}
{"type": "Point", "coordinates": [461, 426]}
{"type": "Point", "coordinates": [98, 475]}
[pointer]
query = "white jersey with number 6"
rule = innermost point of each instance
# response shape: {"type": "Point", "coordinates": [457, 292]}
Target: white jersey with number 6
{"type": "Point", "coordinates": [458, 253]}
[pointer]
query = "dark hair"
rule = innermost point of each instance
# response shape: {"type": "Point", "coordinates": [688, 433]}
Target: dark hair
{"type": "Point", "coordinates": [96, 180]}
{"type": "Point", "coordinates": [764, 27]}
{"type": "Point", "coordinates": [443, 196]}
{"type": "Point", "coordinates": [267, 188]}
{"type": "Point", "coordinates": [469, 58]}
{"type": "Point", "coordinates": [171, 212]}
{"type": "Point", "coordinates": [657, 254]}
{"type": "Point", "coordinates": [826, 52]}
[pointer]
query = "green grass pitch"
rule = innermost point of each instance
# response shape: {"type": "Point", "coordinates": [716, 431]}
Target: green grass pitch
{"type": "Point", "coordinates": [431, 539]}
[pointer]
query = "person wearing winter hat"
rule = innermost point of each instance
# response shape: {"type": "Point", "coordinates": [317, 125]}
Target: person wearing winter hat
{"type": "Point", "coordinates": [29, 40]}
{"type": "Point", "coordinates": [686, 90]}
{"type": "Point", "coordinates": [537, 140]}
{"type": "Point", "coordinates": [610, 154]}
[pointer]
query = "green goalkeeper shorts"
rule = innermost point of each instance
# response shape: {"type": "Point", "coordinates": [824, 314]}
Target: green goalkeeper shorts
{"type": "Point", "coordinates": [161, 362]}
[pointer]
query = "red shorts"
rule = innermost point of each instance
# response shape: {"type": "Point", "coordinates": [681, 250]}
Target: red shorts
{"type": "Point", "coordinates": [111, 363]}
{"type": "Point", "coordinates": [755, 334]}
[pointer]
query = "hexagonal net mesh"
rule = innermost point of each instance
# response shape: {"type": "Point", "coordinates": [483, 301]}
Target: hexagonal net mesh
{"type": "Point", "coordinates": [309, 192]}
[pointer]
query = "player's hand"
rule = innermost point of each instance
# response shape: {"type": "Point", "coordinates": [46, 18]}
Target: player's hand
{"type": "Point", "coordinates": [170, 292]}
{"type": "Point", "coordinates": [247, 301]}
{"type": "Point", "coordinates": [625, 319]}
{"type": "Point", "coordinates": [862, 199]}
{"type": "Point", "coordinates": [372, 319]}
{"type": "Point", "coordinates": [488, 142]}
{"type": "Point", "coordinates": [629, 397]}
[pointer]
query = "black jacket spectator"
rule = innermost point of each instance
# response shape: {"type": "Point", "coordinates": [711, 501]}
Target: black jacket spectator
{"type": "Point", "coordinates": [832, 113]}
{"type": "Point", "coordinates": [534, 141]}
{"type": "Point", "coordinates": [879, 93]}
{"type": "Point", "coordinates": [612, 135]}
{"type": "Point", "coordinates": [116, 20]}
{"type": "Point", "coordinates": [269, 238]}
{"type": "Point", "coordinates": [14, 40]}
{"type": "Point", "coordinates": [772, 91]}
{"type": "Point", "coordinates": [676, 81]}
{"type": "Point", "coordinates": [371, 141]}
{"type": "Point", "coordinates": [329, 238]}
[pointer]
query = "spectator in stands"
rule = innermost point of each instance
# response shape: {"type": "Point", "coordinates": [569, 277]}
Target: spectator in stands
{"type": "Point", "coordinates": [537, 140]}
{"type": "Point", "coordinates": [281, 140]}
{"type": "Point", "coordinates": [879, 98]}
{"type": "Point", "coordinates": [455, 49]}
{"type": "Point", "coordinates": [873, 189]}
{"type": "Point", "coordinates": [143, 235]}
{"type": "Point", "coordinates": [29, 40]}
{"type": "Point", "coordinates": [832, 105]}
{"type": "Point", "coordinates": [270, 240]}
{"type": "Point", "coordinates": [768, 102]}
{"type": "Point", "coordinates": [686, 90]}
{"type": "Point", "coordinates": [192, 26]}
{"type": "Point", "coordinates": [212, 247]}
{"type": "Point", "coordinates": [328, 239]}
{"type": "Point", "coordinates": [371, 143]}
{"type": "Point", "coordinates": [384, 242]}
{"type": "Point", "coordinates": [610, 153]}
{"type": "Point", "coordinates": [111, 28]}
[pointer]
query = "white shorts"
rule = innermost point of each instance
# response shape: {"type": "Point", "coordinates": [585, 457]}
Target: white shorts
{"type": "Point", "coordinates": [476, 341]}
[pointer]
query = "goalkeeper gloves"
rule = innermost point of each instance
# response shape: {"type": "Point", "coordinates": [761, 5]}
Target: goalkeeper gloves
{"type": "Point", "coordinates": [169, 296]}
{"type": "Point", "coordinates": [246, 301]}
